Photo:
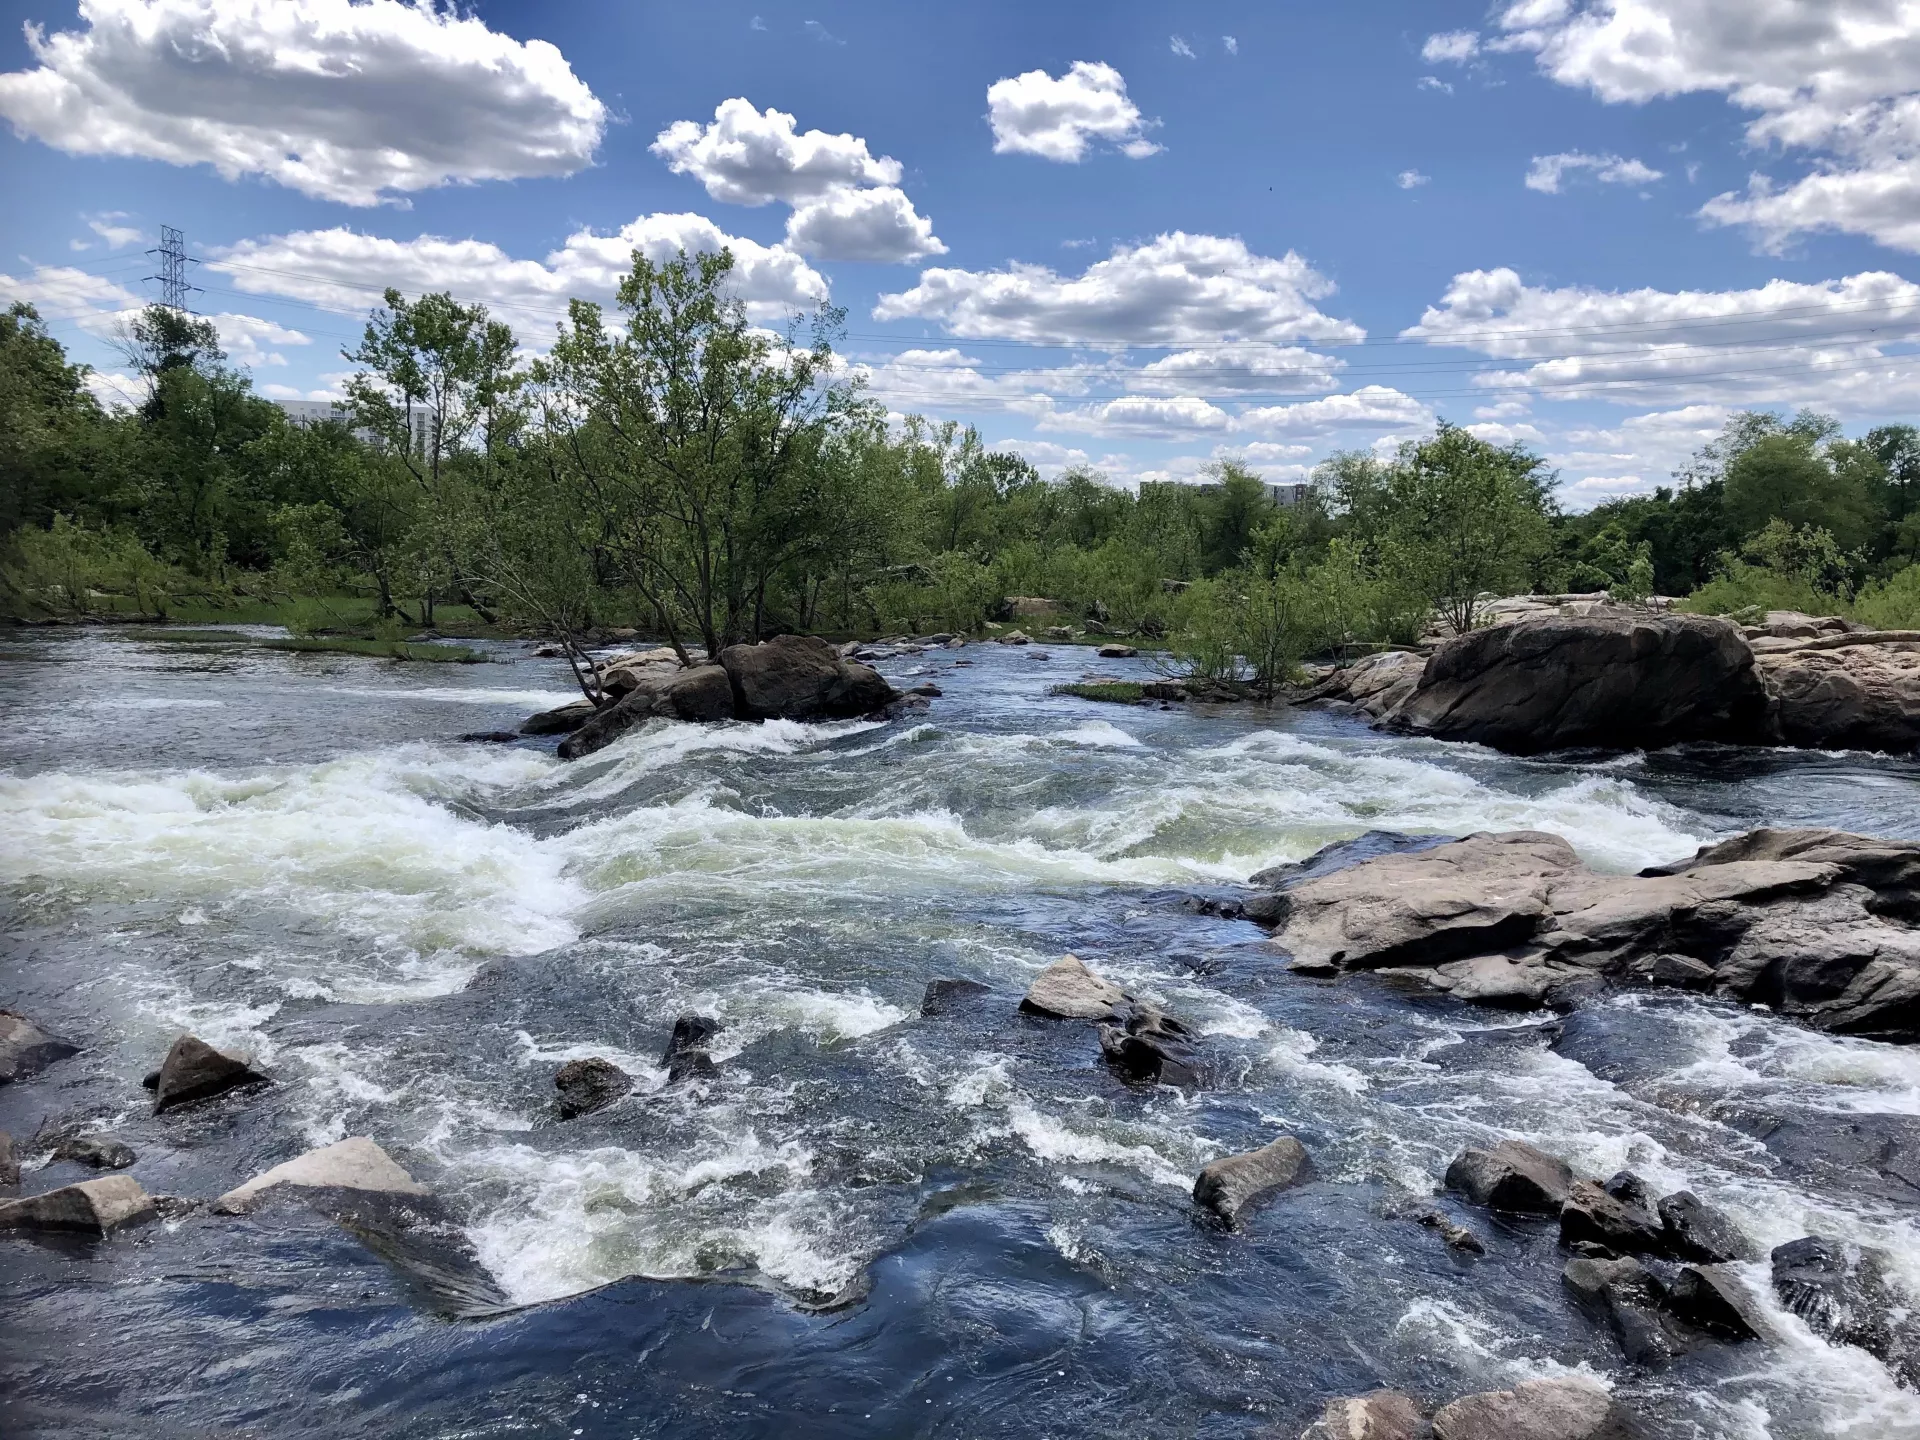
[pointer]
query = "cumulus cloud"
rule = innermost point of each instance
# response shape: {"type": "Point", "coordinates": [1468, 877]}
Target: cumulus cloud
{"type": "Point", "coordinates": [1228, 368]}
{"type": "Point", "coordinates": [1434, 82]}
{"type": "Point", "coordinates": [1457, 46]}
{"type": "Point", "coordinates": [879, 224]}
{"type": "Point", "coordinates": [1180, 47]}
{"type": "Point", "coordinates": [341, 270]}
{"type": "Point", "coordinates": [101, 308]}
{"type": "Point", "coordinates": [1177, 289]}
{"type": "Point", "coordinates": [1641, 453]}
{"type": "Point", "coordinates": [348, 102]}
{"type": "Point", "coordinates": [1836, 81]}
{"type": "Point", "coordinates": [1035, 114]}
{"type": "Point", "coordinates": [750, 157]}
{"type": "Point", "coordinates": [1547, 172]}
{"type": "Point", "coordinates": [1411, 179]}
{"type": "Point", "coordinates": [114, 235]}
{"type": "Point", "coordinates": [1370, 406]}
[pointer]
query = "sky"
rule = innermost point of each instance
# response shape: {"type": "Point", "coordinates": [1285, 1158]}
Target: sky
{"type": "Point", "coordinates": [1143, 238]}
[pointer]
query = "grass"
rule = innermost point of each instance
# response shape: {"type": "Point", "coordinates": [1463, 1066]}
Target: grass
{"type": "Point", "coordinates": [1115, 692]}
{"type": "Point", "coordinates": [379, 649]}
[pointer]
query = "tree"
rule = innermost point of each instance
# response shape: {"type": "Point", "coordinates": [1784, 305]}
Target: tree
{"type": "Point", "coordinates": [1784, 476]}
{"type": "Point", "coordinates": [49, 427]}
{"type": "Point", "coordinates": [1233, 511]}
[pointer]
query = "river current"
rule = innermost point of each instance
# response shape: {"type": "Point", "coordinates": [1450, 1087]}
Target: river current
{"type": "Point", "coordinates": [867, 1222]}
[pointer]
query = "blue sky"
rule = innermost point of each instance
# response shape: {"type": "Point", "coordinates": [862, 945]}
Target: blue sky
{"type": "Point", "coordinates": [1140, 237]}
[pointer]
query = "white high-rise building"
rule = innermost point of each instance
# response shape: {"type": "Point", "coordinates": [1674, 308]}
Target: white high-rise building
{"type": "Point", "coordinates": [338, 412]}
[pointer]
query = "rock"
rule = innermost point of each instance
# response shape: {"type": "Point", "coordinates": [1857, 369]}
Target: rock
{"type": "Point", "coordinates": [102, 1152]}
{"type": "Point", "coordinates": [1151, 1047]}
{"type": "Point", "coordinates": [93, 1207]}
{"type": "Point", "coordinates": [26, 1049]}
{"type": "Point", "coordinates": [927, 688]}
{"type": "Point", "coordinates": [701, 693]}
{"type": "Point", "coordinates": [1621, 1225]}
{"type": "Point", "coordinates": [1512, 1176]}
{"type": "Point", "coordinates": [1375, 685]}
{"type": "Point", "coordinates": [1116, 652]}
{"type": "Point", "coordinates": [1570, 1408]}
{"type": "Point", "coordinates": [194, 1070]}
{"type": "Point", "coordinates": [1458, 1237]}
{"type": "Point", "coordinates": [354, 1164]}
{"type": "Point", "coordinates": [1382, 1415]}
{"type": "Point", "coordinates": [798, 677]}
{"type": "Point", "coordinates": [1843, 1292]}
{"type": "Point", "coordinates": [1694, 1230]}
{"type": "Point", "coordinates": [1342, 854]}
{"type": "Point", "coordinates": [1888, 868]}
{"type": "Point", "coordinates": [1228, 1185]}
{"type": "Point", "coordinates": [1015, 637]}
{"type": "Point", "coordinates": [944, 995]}
{"type": "Point", "coordinates": [589, 1085]}
{"type": "Point", "coordinates": [1038, 655]}
{"type": "Point", "coordinates": [562, 720]}
{"type": "Point", "coordinates": [1619, 682]}
{"type": "Point", "coordinates": [1630, 1298]}
{"type": "Point", "coordinates": [1059, 632]}
{"type": "Point", "coordinates": [1712, 1299]}
{"type": "Point", "coordinates": [1068, 990]}
{"type": "Point", "coordinates": [1859, 697]}
{"type": "Point", "coordinates": [490, 737]}
{"type": "Point", "coordinates": [686, 1053]}
{"type": "Point", "coordinates": [9, 1165]}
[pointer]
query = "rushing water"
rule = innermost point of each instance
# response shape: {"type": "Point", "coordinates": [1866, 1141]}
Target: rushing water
{"type": "Point", "coordinates": [868, 1222]}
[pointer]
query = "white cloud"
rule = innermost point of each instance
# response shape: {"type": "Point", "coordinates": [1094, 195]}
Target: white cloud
{"type": "Point", "coordinates": [1434, 82]}
{"type": "Point", "coordinates": [879, 225]}
{"type": "Point", "coordinates": [1411, 179]}
{"type": "Point", "coordinates": [1142, 415]}
{"type": "Point", "coordinates": [345, 102]}
{"type": "Point", "coordinates": [1634, 457]}
{"type": "Point", "coordinates": [1177, 289]}
{"type": "Point", "coordinates": [1035, 114]}
{"type": "Point", "coordinates": [1368, 407]}
{"type": "Point", "coordinates": [747, 157]}
{"type": "Point", "coordinates": [101, 308]}
{"type": "Point", "coordinates": [344, 271]}
{"type": "Point", "coordinates": [1231, 45]}
{"type": "Point", "coordinates": [246, 339]}
{"type": "Point", "coordinates": [1180, 47]}
{"type": "Point", "coordinates": [1547, 171]}
{"type": "Point", "coordinates": [1457, 46]}
{"type": "Point", "coordinates": [1837, 80]}
{"type": "Point", "coordinates": [116, 389]}
{"type": "Point", "coordinates": [116, 236]}
{"type": "Point", "coordinates": [1254, 368]}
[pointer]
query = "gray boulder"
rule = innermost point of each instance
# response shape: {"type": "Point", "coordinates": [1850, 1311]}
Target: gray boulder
{"type": "Point", "coordinates": [1375, 685]}
{"type": "Point", "coordinates": [1068, 990]}
{"type": "Point", "coordinates": [1712, 1299]}
{"type": "Point", "coordinates": [588, 1085]}
{"type": "Point", "coordinates": [1631, 1300]}
{"type": "Point", "coordinates": [1615, 1224]}
{"type": "Point", "coordinates": [700, 693]}
{"type": "Point", "coordinates": [1845, 1293]}
{"type": "Point", "coordinates": [1619, 682]}
{"type": "Point", "coordinates": [1512, 1176]}
{"type": "Point", "coordinates": [194, 1070]}
{"type": "Point", "coordinates": [1382, 1415]}
{"type": "Point", "coordinates": [353, 1164]}
{"type": "Point", "coordinates": [799, 677]}
{"type": "Point", "coordinates": [26, 1049]}
{"type": "Point", "coordinates": [1570, 1408]}
{"type": "Point", "coordinates": [93, 1207]}
{"type": "Point", "coordinates": [561, 720]}
{"type": "Point", "coordinates": [686, 1054]}
{"type": "Point", "coordinates": [1228, 1185]}
{"type": "Point", "coordinates": [1857, 695]}
{"type": "Point", "coordinates": [1694, 1230]}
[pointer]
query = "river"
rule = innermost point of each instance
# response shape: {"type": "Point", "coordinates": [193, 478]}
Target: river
{"type": "Point", "coordinates": [868, 1222]}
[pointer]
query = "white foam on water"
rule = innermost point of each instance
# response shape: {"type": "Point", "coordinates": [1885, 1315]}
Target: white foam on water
{"type": "Point", "coordinates": [662, 745]}
{"type": "Point", "coordinates": [109, 701]}
{"type": "Point", "coordinates": [1056, 1140]}
{"type": "Point", "coordinates": [1099, 733]}
{"type": "Point", "coordinates": [461, 695]}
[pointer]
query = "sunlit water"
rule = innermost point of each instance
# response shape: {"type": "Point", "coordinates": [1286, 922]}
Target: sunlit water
{"type": "Point", "coordinates": [956, 1225]}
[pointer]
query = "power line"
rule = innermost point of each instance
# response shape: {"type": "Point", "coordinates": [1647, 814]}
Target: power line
{"type": "Point", "coordinates": [172, 251]}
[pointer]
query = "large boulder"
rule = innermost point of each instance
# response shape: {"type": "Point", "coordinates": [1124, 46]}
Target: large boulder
{"type": "Point", "coordinates": [687, 1054]}
{"type": "Point", "coordinates": [561, 720]}
{"type": "Point", "coordinates": [1383, 1415]}
{"type": "Point", "coordinates": [353, 1164]}
{"type": "Point", "coordinates": [1610, 1219]}
{"type": "Point", "coordinates": [699, 693]}
{"type": "Point", "coordinates": [800, 677]}
{"type": "Point", "coordinates": [1151, 1047]}
{"type": "Point", "coordinates": [26, 1049]}
{"type": "Point", "coordinates": [194, 1070]}
{"type": "Point", "coordinates": [1712, 1299]}
{"type": "Point", "coordinates": [1631, 1300]}
{"type": "Point", "coordinates": [1619, 682]}
{"type": "Point", "coordinates": [1570, 1408]}
{"type": "Point", "coordinates": [93, 1207]}
{"type": "Point", "coordinates": [1852, 693]}
{"type": "Point", "coordinates": [1845, 1292]}
{"type": "Point", "coordinates": [588, 1085]}
{"type": "Point", "coordinates": [1512, 1176]}
{"type": "Point", "coordinates": [1068, 990]}
{"type": "Point", "coordinates": [1228, 1185]}
{"type": "Point", "coordinates": [1694, 1230]}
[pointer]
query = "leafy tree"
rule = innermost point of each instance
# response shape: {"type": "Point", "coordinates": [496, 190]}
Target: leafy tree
{"type": "Point", "coordinates": [51, 439]}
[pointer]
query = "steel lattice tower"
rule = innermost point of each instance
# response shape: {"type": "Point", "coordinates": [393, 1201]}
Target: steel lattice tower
{"type": "Point", "coordinates": [172, 251]}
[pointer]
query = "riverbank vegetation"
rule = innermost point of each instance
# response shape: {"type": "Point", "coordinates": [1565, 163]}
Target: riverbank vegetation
{"type": "Point", "coordinates": [668, 466]}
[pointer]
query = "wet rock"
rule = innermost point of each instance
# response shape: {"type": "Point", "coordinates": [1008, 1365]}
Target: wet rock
{"type": "Point", "coordinates": [1116, 652]}
{"type": "Point", "coordinates": [194, 1070]}
{"type": "Point", "coordinates": [1343, 854]}
{"type": "Point", "coordinates": [686, 1053]}
{"type": "Point", "coordinates": [1874, 1154]}
{"type": "Point", "coordinates": [1512, 1176]}
{"type": "Point", "coordinates": [700, 693]}
{"type": "Point", "coordinates": [26, 1049]}
{"type": "Point", "coordinates": [1631, 1299]}
{"type": "Point", "coordinates": [1694, 1230]}
{"type": "Point", "coordinates": [1228, 1185]}
{"type": "Point", "coordinates": [561, 720]}
{"type": "Point", "coordinates": [9, 1165]}
{"type": "Point", "coordinates": [489, 737]}
{"type": "Point", "coordinates": [1712, 1299]}
{"type": "Point", "coordinates": [93, 1207]}
{"type": "Point", "coordinates": [176, 1207]}
{"type": "Point", "coordinates": [1068, 990]}
{"type": "Point", "coordinates": [1457, 1236]}
{"type": "Point", "coordinates": [1570, 1408]}
{"type": "Point", "coordinates": [944, 995]}
{"type": "Point", "coordinates": [102, 1152]}
{"type": "Point", "coordinates": [1151, 1047]}
{"type": "Point", "coordinates": [353, 1164]}
{"type": "Point", "coordinates": [588, 1085]}
{"type": "Point", "coordinates": [1015, 637]}
{"type": "Point", "coordinates": [1843, 1292]}
{"type": "Point", "coordinates": [1857, 696]}
{"type": "Point", "coordinates": [928, 690]}
{"type": "Point", "coordinates": [1621, 682]}
{"type": "Point", "coordinates": [798, 677]}
{"type": "Point", "coordinates": [1382, 1415]}
{"type": "Point", "coordinates": [1890, 869]}
{"type": "Point", "coordinates": [1619, 1223]}
{"type": "Point", "coordinates": [1375, 685]}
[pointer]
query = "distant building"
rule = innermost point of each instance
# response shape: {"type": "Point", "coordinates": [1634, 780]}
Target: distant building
{"type": "Point", "coordinates": [1288, 494]}
{"type": "Point", "coordinates": [338, 412]}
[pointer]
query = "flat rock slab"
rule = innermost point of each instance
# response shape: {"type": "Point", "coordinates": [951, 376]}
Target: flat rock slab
{"type": "Point", "coordinates": [26, 1049]}
{"type": "Point", "coordinates": [93, 1207]}
{"type": "Point", "coordinates": [194, 1070]}
{"type": "Point", "coordinates": [1068, 990]}
{"type": "Point", "coordinates": [1228, 1185]}
{"type": "Point", "coordinates": [1565, 1409]}
{"type": "Point", "coordinates": [354, 1164]}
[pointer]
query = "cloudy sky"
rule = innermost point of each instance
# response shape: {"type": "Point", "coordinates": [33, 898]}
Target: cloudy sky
{"type": "Point", "coordinates": [1141, 237]}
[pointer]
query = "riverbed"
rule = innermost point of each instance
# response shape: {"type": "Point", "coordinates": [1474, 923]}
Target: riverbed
{"type": "Point", "coordinates": [868, 1222]}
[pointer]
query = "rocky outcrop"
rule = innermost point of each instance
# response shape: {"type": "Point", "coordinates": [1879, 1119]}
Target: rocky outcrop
{"type": "Point", "coordinates": [701, 693]}
{"type": "Point", "coordinates": [93, 1207]}
{"type": "Point", "coordinates": [1569, 1408]}
{"type": "Point", "coordinates": [354, 1164]}
{"type": "Point", "coordinates": [1068, 990]}
{"type": "Point", "coordinates": [1516, 919]}
{"type": "Point", "coordinates": [194, 1070]}
{"type": "Point", "coordinates": [1383, 1415]}
{"type": "Point", "coordinates": [1844, 1293]}
{"type": "Point", "coordinates": [798, 677]}
{"type": "Point", "coordinates": [1512, 1176]}
{"type": "Point", "coordinates": [1228, 1185]}
{"type": "Point", "coordinates": [1619, 682]}
{"type": "Point", "coordinates": [1374, 685]}
{"type": "Point", "coordinates": [1845, 693]}
{"type": "Point", "coordinates": [686, 1054]}
{"type": "Point", "coordinates": [588, 1085]}
{"type": "Point", "coordinates": [26, 1049]}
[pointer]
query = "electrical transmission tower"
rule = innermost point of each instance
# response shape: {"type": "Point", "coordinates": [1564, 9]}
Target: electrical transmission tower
{"type": "Point", "coordinates": [172, 251]}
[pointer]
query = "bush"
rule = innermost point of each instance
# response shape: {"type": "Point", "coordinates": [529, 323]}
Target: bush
{"type": "Point", "coordinates": [1893, 603]}
{"type": "Point", "coordinates": [70, 569]}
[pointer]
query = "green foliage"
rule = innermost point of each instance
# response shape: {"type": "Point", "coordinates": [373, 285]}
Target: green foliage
{"type": "Point", "coordinates": [1893, 603]}
{"type": "Point", "coordinates": [1116, 692]}
{"type": "Point", "coordinates": [70, 570]}
{"type": "Point", "coordinates": [381, 649]}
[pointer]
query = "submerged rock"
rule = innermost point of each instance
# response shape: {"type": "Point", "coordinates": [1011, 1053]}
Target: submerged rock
{"type": "Point", "coordinates": [1844, 1293]}
{"type": "Point", "coordinates": [1068, 990]}
{"type": "Point", "coordinates": [1457, 1236]}
{"type": "Point", "coordinates": [102, 1152]}
{"type": "Point", "coordinates": [194, 1070]}
{"type": "Point", "coordinates": [26, 1049]}
{"type": "Point", "coordinates": [944, 994]}
{"type": "Point", "coordinates": [489, 737]}
{"type": "Point", "coordinates": [686, 1053]}
{"type": "Point", "coordinates": [1228, 1185]}
{"type": "Point", "coordinates": [353, 1164]}
{"type": "Point", "coordinates": [589, 1085]}
{"type": "Point", "coordinates": [1151, 1047]}
{"type": "Point", "coordinates": [1512, 1176]}
{"type": "Point", "coordinates": [93, 1207]}
{"type": "Point", "coordinates": [1569, 1408]}
{"type": "Point", "coordinates": [1382, 1415]}
{"type": "Point", "coordinates": [1631, 1299]}
{"type": "Point", "coordinates": [562, 720]}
